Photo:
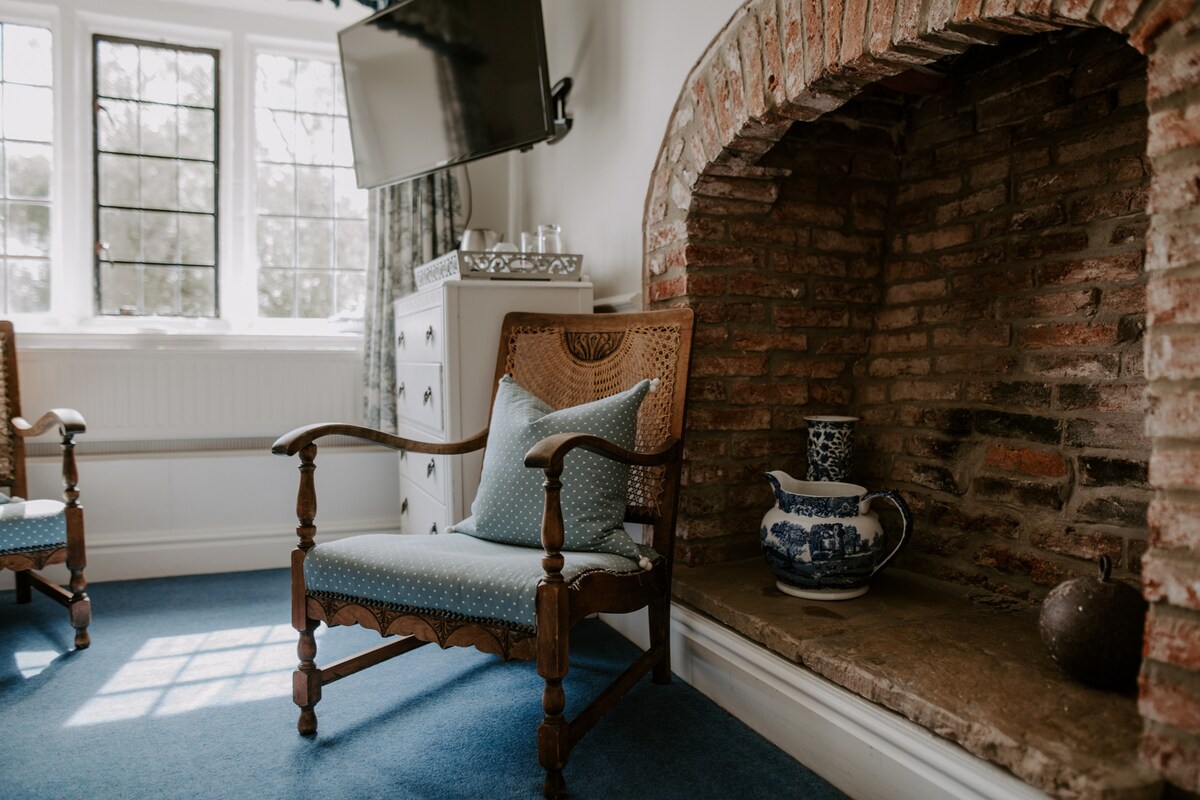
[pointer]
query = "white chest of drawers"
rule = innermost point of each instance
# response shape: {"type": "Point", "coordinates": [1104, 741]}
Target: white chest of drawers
{"type": "Point", "coordinates": [446, 342]}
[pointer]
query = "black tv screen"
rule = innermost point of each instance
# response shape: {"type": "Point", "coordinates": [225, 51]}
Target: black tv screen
{"type": "Point", "coordinates": [433, 83]}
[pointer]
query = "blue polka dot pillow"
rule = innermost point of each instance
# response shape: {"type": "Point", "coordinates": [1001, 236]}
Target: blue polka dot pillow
{"type": "Point", "coordinates": [508, 507]}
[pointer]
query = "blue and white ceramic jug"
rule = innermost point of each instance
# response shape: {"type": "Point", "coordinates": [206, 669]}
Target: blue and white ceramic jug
{"type": "Point", "coordinates": [821, 539]}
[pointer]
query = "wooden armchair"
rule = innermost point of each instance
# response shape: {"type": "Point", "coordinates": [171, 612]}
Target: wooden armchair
{"type": "Point", "coordinates": [565, 360]}
{"type": "Point", "coordinates": [34, 533]}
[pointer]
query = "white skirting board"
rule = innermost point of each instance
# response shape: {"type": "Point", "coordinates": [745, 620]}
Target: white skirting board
{"type": "Point", "coordinates": [863, 749]}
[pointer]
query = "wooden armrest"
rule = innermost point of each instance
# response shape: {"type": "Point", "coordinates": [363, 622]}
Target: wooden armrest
{"type": "Point", "coordinates": [549, 452]}
{"type": "Point", "coordinates": [291, 443]}
{"type": "Point", "coordinates": [68, 420]}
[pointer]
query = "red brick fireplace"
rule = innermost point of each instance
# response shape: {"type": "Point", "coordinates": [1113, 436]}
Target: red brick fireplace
{"type": "Point", "coordinates": [976, 227]}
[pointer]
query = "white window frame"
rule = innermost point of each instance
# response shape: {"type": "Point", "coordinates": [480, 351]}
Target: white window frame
{"type": "Point", "coordinates": [72, 302]}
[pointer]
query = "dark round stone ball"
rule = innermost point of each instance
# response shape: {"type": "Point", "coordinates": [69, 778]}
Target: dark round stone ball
{"type": "Point", "coordinates": [1093, 628]}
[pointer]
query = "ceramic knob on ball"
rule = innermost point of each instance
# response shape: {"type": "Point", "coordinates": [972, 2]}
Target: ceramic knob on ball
{"type": "Point", "coordinates": [1093, 629]}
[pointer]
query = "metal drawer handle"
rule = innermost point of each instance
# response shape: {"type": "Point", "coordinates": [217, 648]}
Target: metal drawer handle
{"type": "Point", "coordinates": [433, 529]}
{"type": "Point", "coordinates": [404, 506]}
{"type": "Point", "coordinates": [403, 454]}
{"type": "Point", "coordinates": [400, 339]}
{"type": "Point", "coordinates": [400, 388]}
{"type": "Point", "coordinates": [428, 396]}
{"type": "Point", "coordinates": [429, 334]}
{"type": "Point", "coordinates": [430, 467]}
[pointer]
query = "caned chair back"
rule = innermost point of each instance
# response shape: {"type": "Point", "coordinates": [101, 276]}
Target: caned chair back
{"type": "Point", "coordinates": [566, 360]}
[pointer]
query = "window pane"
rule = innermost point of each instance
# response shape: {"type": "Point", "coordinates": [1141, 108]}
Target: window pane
{"type": "Point", "coordinates": [198, 293]}
{"type": "Point", "coordinates": [122, 231]}
{"type": "Point", "coordinates": [314, 294]}
{"type": "Point", "coordinates": [158, 75]}
{"type": "Point", "coordinates": [197, 239]}
{"type": "Point", "coordinates": [314, 86]}
{"type": "Point", "coordinates": [119, 177]}
{"type": "Point", "coordinates": [117, 70]}
{"type": "Point", "coordinates": [160, 290]}
{"type": "Point", "coordinates": [28, 113]}
{"type": "Point", "coordinates": [160, 237]}
{"type": "Point", "coordinates": [157, 165]}
{"type": "Point", "coordinates": [197, 187]}
{"type": "Point", "coordinates": [28, 57]}
{"type": "Point", "coordinates": [119, 287]}
{"type": "Point", "coordinates": [276, 189]}
{"type": "Point", "coordinates": [276, 242]}
{"type": "Point", "coordinates": [315, 191]}
{"type": "Point", "coordinates": [314, 243]}
{"type": "Point", "coordinates": [196, 133]}
{"type": "Point", "coordinates": [159, 128]}
{"type": "Point", "coordinates": [276, 135]}
{"type": "Point", "coordinates": [196, 82]}
{"type": "Point", "coordinates": [28, 229]}
{"type": "Point", "coordinates": [160, 183]}
{"type": "Point", "coordinates": [117, 123]}
{"type": "Point", "coordinates": [28, 170]}
{"type": "Point", "coordinates": [312, 216]}
{"type": "Point", "coordinates": [351, 244]}
{"type": "Point", "coordinates": [275, 86]}
{"type": "Point", "coordinates": [28, 283]}
{"type": "Point", "coordinates": [351, 294]}
{"type": "Point", "coordinates": [276, 292]}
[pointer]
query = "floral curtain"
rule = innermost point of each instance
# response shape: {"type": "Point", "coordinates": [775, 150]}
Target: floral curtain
{"type": "Point", "coordinates": [411, 223]}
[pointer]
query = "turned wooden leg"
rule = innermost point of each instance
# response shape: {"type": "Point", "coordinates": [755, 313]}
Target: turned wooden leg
{"type": "Point", "coordinates": [660, 634]}
{"type": "Point", "coordinates": [553, 649]}
{"type": "Point", "coordinates": [24, 590]}
{"type": "Point", "coordinates": [306, 681]}
{"type": "Point", "coordinates": [80, 609]}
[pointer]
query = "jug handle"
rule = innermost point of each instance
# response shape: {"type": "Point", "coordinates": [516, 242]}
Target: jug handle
{"type": "Point", "coordinates": [905, 514]}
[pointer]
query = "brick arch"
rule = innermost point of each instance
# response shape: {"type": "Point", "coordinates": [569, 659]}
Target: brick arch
{"type": "Point", "coordinates": [778, 61]}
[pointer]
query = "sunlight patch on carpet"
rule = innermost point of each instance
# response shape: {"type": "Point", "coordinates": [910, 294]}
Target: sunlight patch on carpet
{"type": "Point", "coordinates": [171, 675]}
{"type": "Point", "coordinates": [32, 662]}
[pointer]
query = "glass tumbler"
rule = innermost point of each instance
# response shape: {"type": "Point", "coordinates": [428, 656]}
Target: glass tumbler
{"type": "Point", "coordinates": [549, 239]}
{"type": "Point", "coordinates": [529, 242]}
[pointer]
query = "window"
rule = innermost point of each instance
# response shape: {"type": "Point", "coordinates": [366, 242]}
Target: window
{"type": "Point", "coordinates": [155, 151]}
{"type": "Point", "coordinates": [311, 216]}
{"type": "Point", "coordinates": [26, 160]}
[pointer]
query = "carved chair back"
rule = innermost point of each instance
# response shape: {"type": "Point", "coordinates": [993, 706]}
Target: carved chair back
{"type": "Point", "coordinates": [12, 447]}
{"type": "Point", "coordinates": [569, 360]}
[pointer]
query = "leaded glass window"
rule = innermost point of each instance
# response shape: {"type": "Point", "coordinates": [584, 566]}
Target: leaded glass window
{"type": "Point", "coordinates": [156, 166]}
{"type": "Point", "coordinates": [26, 162]}
{"type": "Point", "coordinates": [311, 216]}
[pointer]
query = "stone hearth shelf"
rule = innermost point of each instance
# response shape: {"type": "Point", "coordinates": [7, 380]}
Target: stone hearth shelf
{"type": "Point", "coordinates": [977, 676]}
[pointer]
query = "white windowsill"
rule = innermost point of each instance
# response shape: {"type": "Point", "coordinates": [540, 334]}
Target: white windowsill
{"type": "Point", "coordinates": [193, 335]}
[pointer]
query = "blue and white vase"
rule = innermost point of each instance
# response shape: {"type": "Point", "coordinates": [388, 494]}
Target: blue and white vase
{"type": "Point", "coordinates": [830, 443]}
{"type": "Point", "coordinates": [821, 539]}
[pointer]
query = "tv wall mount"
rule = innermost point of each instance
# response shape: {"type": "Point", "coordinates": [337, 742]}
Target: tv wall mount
{"type": "Point", "coordinates": [562, 120]}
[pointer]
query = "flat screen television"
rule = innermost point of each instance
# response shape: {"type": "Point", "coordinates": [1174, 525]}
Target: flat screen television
{"type": "Point", "coordinates": [433, 83]}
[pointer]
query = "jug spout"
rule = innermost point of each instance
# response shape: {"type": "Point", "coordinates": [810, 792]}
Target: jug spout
{"type": "Point", "coordinates": [777, 478]}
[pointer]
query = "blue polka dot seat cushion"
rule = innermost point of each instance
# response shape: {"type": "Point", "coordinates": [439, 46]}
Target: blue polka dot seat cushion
{"type": "Point", "coordinates": [32, 525]}
{"type": "Point", "coordinates": [454, 575]}
{"type": "Point", "coordinates": [509, 504]}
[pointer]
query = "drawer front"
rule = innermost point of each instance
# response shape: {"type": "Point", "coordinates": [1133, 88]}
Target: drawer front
{"type": "Point", "coordinates": [419, 336]}
{"type": "Point", "coordinates": [426, 471]}
{"type": "Point", "coordinates": [420, 514]}
{"type": "Point", "coordinates": [419, 395]}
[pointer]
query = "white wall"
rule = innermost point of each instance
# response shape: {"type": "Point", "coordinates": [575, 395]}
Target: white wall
{"type": "Point", "coordinates": [628, 59]}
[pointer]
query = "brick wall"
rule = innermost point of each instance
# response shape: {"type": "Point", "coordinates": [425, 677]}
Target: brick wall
{"type": "Point", "coordinates": [1003, 392]}
{"type": "Point", "coordinates": [963, 270]}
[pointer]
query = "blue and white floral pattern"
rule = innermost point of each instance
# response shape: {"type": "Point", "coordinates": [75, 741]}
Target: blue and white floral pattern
{"type": "Point", "coordinates": [830, 443]}
{"type": "Point", "coordinates": [412, 222]}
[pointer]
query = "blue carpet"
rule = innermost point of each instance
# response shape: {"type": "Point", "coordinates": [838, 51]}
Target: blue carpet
{"type": "Point", "coordinates": [186, 692]}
